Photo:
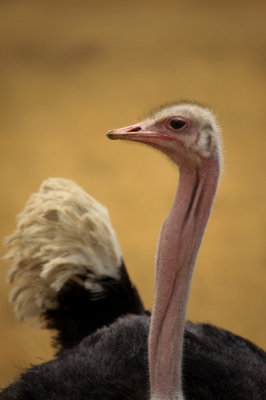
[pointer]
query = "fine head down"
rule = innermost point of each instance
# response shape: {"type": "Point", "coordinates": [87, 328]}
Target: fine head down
{"type": "Point", "coordinates": [189, 135]}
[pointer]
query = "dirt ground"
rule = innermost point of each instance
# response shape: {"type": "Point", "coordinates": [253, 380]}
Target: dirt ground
{"type": "Point", "coordinates": [70, 71]}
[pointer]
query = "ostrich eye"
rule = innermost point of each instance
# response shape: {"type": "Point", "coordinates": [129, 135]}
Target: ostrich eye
{"type": "Point", "coordinates": [177, 123]}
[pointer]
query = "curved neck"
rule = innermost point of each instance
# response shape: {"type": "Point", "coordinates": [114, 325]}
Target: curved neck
{"type": "Point", "coordinates": [177, 250]}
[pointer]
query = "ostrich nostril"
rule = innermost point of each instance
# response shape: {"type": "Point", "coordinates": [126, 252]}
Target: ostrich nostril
{"type": "Point", "coordinates": [135, 129]}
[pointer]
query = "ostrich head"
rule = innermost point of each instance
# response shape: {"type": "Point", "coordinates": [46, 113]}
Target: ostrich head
{"type": "Point", "coordinates": [186, 132]}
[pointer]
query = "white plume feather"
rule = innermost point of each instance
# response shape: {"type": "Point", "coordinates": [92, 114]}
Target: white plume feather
{"type": "Point", "coordinates": [61, 233]}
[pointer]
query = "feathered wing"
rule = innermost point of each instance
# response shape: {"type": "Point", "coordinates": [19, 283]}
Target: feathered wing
{"type": "Point", "coordinates": [67, 264]}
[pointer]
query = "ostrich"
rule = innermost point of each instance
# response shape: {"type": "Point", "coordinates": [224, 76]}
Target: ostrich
{"type": "Point", "coordinates": [186, 361]}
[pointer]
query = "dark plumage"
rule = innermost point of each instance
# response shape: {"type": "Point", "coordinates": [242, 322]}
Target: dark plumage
{"type": "Point", "coordinates": [78, 314]}
{"type": "Point", "coordinates": [219, 365]}
{"type": "Point", "coordinates": [109, 364]}
{"type": "Point", "coordinates": [112, 364]}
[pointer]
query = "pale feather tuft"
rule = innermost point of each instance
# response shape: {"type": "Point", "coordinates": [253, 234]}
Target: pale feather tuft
{"type": "Point", "coordinates": [62, 234]}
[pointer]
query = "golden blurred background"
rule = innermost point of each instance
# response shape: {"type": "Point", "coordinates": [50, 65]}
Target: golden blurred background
{"type": "Point", "coordinates": [70, 71]}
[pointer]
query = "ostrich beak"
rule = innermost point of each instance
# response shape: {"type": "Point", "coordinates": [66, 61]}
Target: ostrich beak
{"type": "Point", "coordinates": [131, 132]}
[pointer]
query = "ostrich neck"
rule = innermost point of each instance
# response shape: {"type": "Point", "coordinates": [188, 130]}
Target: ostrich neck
{"type": "Point", "coordinates": [177, 249]}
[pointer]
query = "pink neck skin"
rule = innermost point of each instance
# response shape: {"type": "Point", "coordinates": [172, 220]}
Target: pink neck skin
{"type": "Point", "coordinates": [177, 250]}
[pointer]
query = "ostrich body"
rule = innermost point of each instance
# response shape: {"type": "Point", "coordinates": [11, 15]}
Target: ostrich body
{"type": "Point", "coordinates": [109, 359]}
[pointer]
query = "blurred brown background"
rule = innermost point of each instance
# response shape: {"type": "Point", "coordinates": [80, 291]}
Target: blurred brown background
{"type": "Point", "coordinates": [70, 71]}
